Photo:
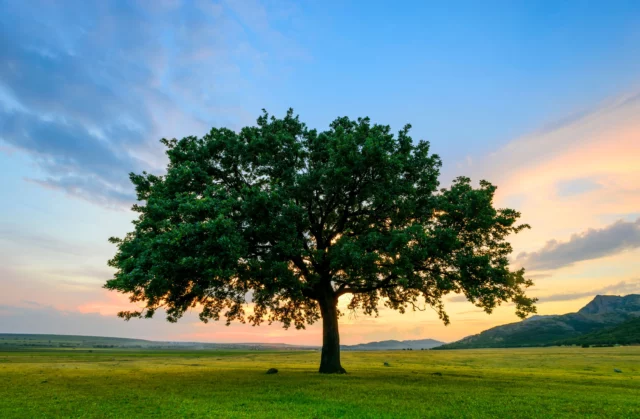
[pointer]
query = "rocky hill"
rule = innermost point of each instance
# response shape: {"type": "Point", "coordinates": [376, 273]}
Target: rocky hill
{"type": "Point", "coordinates": [604, 311]}
{"type": "Point", "coordinates": [603, 304]}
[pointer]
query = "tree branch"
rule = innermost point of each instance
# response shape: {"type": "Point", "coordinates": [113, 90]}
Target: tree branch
{"type": "Point", "coordinates": [384, 284]}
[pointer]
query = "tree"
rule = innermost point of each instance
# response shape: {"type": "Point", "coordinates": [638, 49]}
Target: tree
{"type": "Point", "coordinates": [292, 219]}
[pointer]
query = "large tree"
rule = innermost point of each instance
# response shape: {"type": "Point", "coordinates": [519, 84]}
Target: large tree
{"type": "Point", "coordinates": [285, 220]}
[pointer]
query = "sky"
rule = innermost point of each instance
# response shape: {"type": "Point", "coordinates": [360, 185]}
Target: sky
{"type": "Point", "coordinates": [542, 98]}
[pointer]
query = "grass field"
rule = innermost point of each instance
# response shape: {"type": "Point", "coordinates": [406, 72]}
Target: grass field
{"type": "Point", "coordinates": [504, 383]}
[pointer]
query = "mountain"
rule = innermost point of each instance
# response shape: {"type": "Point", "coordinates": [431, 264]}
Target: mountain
{"type": "Point", "coordinates": [626, 333]}
{"type": "Point", "coordinates": [603, 304]}
{"type": "Point", "coordinates": [391, 345]}
{"type": "Point", "coordinates": [603, 312]}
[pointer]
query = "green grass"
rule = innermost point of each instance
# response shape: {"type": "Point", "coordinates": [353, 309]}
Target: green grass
{"type": "Point", "coordinates": [536, 382]}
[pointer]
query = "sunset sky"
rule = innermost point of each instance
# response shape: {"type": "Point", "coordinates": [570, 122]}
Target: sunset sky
{"type": "Point", "coordinates": [540, 98]}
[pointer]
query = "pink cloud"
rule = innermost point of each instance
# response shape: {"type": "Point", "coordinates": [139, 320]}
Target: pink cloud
{"type": "Point", "coordinates": [603, 146]}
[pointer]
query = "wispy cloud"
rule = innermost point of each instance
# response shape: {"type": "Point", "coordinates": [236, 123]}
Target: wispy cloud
{"type": "Point", "coordinates": [577, 186]}
{"type": "Point", "coordinates": [620, 288]}
{"type": "Point", "coordinates": [565, 178]}
{"type": "Point", "coordinates": [458, 299]}
{"type": "Point", "coordinates": [538, 276]}
{"type": "Point", "coordinates": [591, 244]}
{"type": "Point", "coordinates": [42, 241]}
{"type": "Point", "coordinates": [88, 91]}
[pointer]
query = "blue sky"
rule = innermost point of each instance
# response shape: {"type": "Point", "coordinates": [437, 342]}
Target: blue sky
{"type": "Point", "coordinates": [88, 88]}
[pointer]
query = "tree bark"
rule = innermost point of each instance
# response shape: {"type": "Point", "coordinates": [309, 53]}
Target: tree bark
{"type": "Point", "coordinates": [330, 359]}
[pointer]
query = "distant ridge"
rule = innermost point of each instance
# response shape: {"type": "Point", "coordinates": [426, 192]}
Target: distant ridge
{"type": "Point", "coordinates": [8, 340]}
{"type": "Point", "coordinates": [391, 345]}
{"type": "Point", "coordinates": [603, 312]}
{"type": "Point", "coordinates": [78, 341]}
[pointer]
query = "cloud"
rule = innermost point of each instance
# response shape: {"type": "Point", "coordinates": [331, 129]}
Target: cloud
{"type": "Point", "coordinates": [591, 244]}
{"type": "Point", "coordinates": [458, 299]}
{"type": "Point", "coordinates": [621, 288]}
{"type": "Point", "coordinates": [91, 188]}
{"type": "Point", "coordinates": [576, 186]}
{"type": "Point", "coordinates": [88, 90]}
{"type": "Point", "coordinates": [42, 241]}
{"type": "Point", "coordinates": [571, 175]}
{"type": "Point", "coordinates": [256, 16]}
{"type": "Point", "coordinates": [538, 276]}
{"type": "Point", "coordinates": [570, 137]}
{"type": "Point", "coordinates": [31, 303]}
{"type": "Point", "coordinates": [479, 311]}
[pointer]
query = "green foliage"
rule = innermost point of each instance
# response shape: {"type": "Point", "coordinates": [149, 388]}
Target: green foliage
{"type": "Point", "coordinates": [497, 383]}
{"type": "Point", "coordinates": [626, 333]}
{"type": "Point", "coordinates": [286, 217]}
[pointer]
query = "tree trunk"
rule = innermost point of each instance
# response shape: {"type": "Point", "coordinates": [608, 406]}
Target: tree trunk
{"type": "Point", "coordinates": [330, 359]}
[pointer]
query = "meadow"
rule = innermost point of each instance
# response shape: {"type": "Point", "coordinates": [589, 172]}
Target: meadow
{"type": "Point", "coordinates": [536, 382]}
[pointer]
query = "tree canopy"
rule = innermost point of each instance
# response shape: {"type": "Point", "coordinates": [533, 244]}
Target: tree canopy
{"type": "Point", "coordinates": [289, 219]}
